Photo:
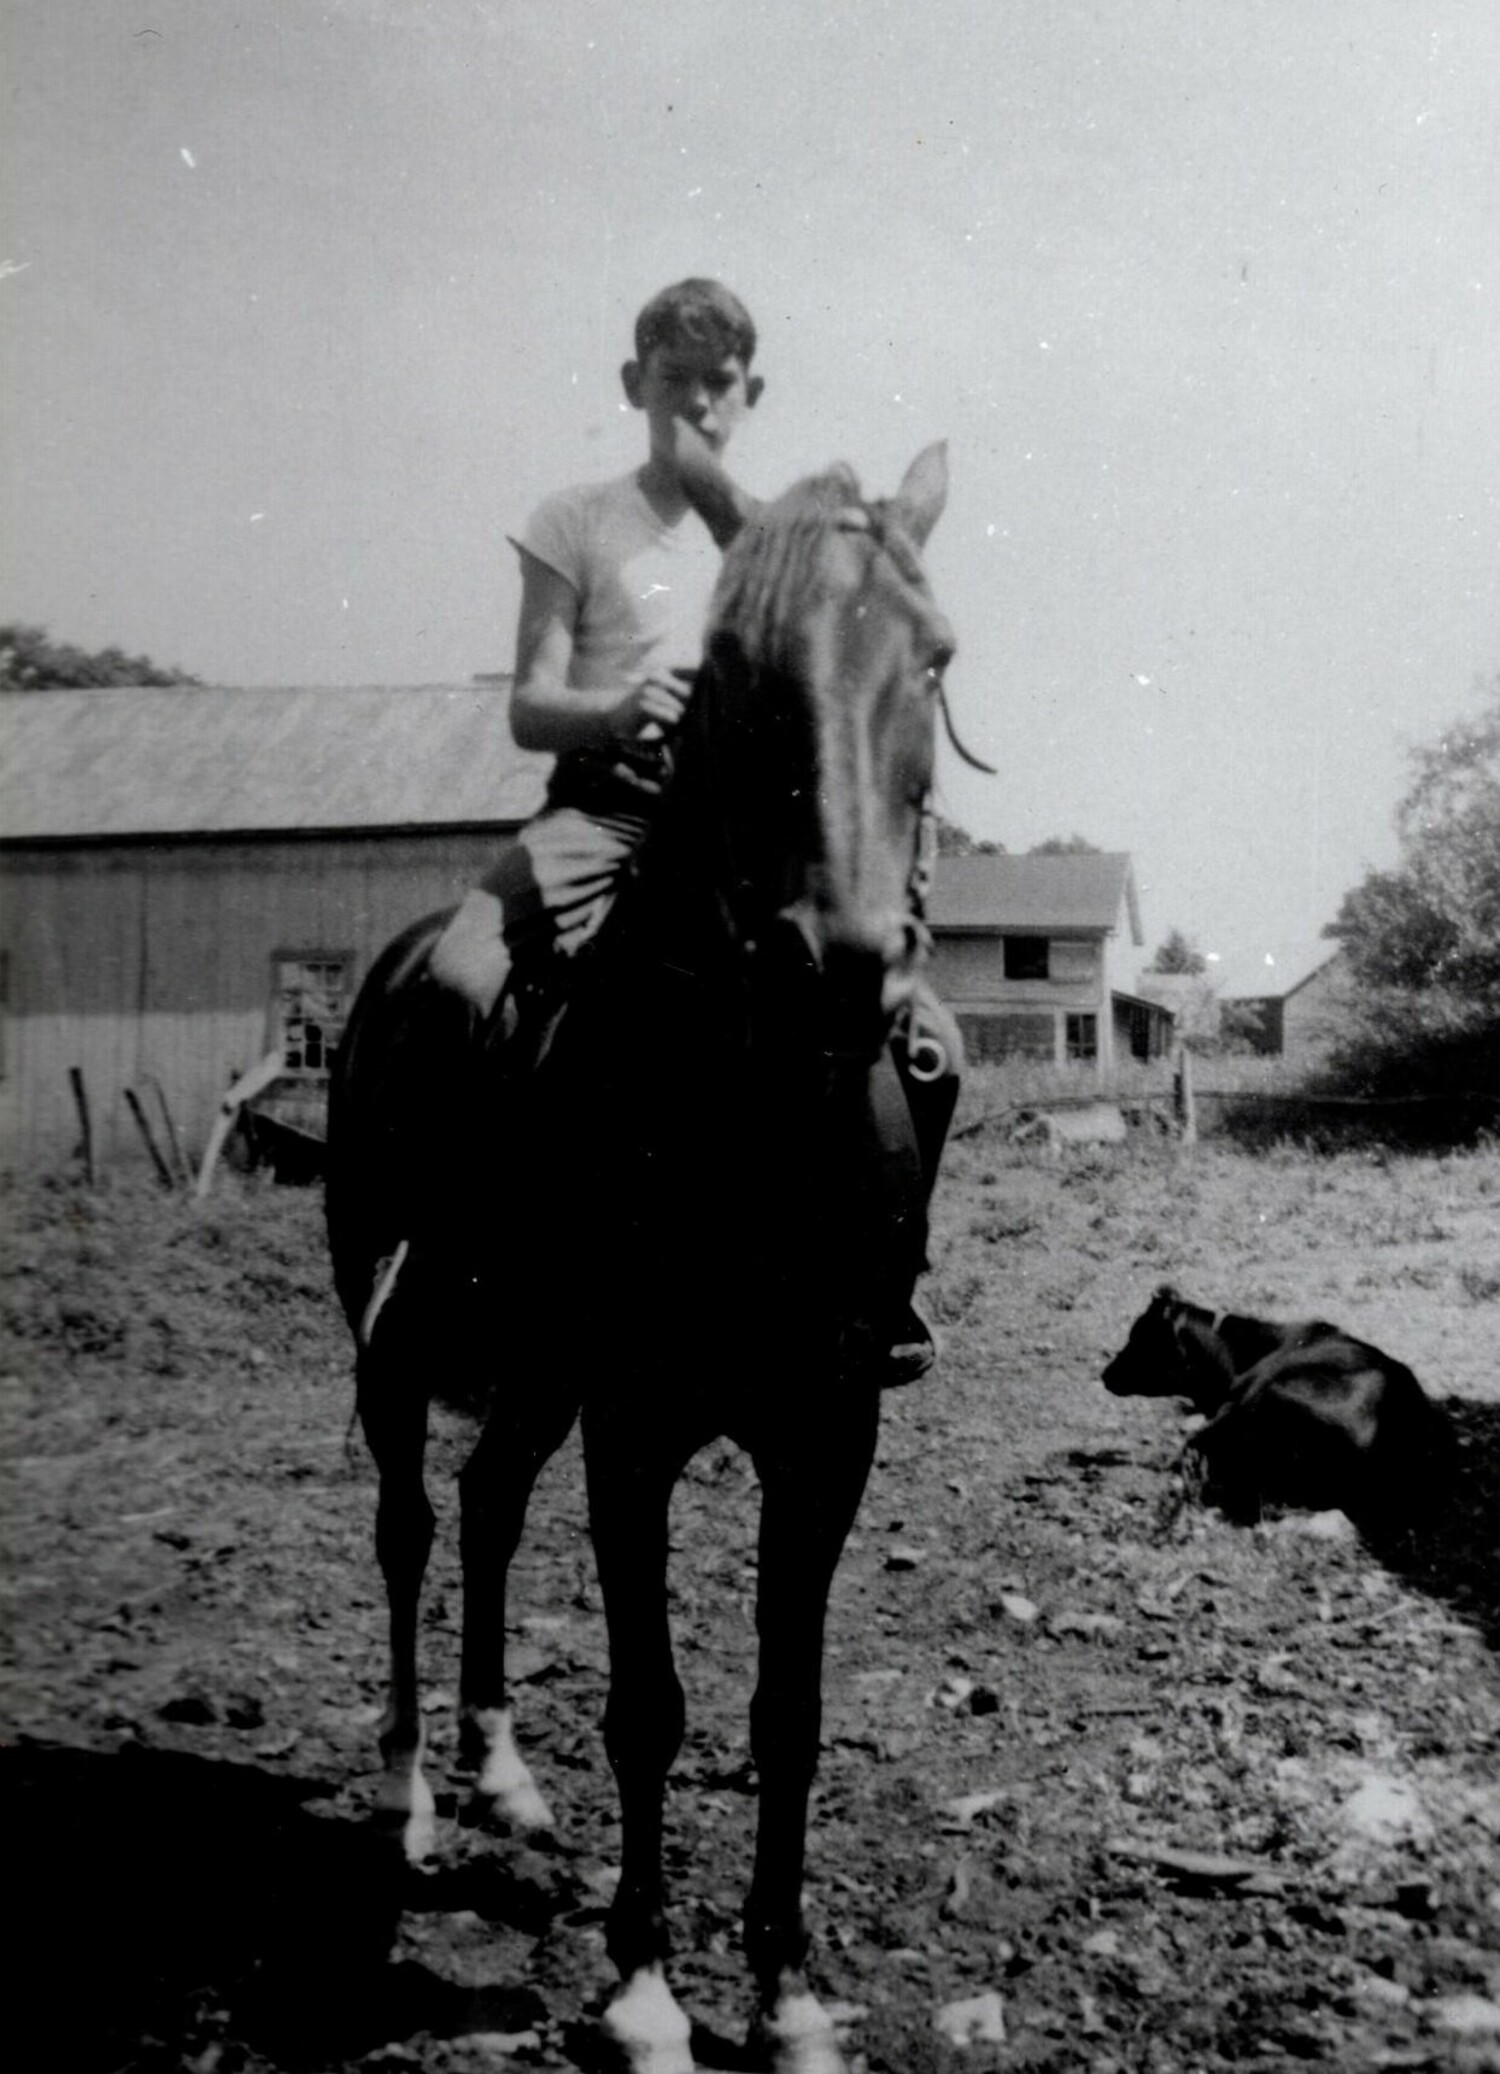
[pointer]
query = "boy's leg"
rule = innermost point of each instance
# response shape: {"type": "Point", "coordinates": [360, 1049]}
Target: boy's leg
{"type": "Point", "coordinates": [901, 1187]}
{"type": "Point", "coordinates": [548, 892]}
{"type": "Point", "coordinates": [928, 1053]}
{"type": "Point", "coordinates": [471, 956]}
{"type": "Point", "coordinates": [928, 1045]}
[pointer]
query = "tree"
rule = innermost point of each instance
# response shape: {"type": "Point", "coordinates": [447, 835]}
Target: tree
{"type": "Point", "coordinates": [31, 661]}
{"type": "Point", "coordinates": [1178, 953]}
{"type": "Point", "coordinates": [1422, 941]}
{"type": "Point", "coordinates": [953, 841]}
{"type": "Point", "coordinates": [1434, 922]}
{"type": "Point", "coordinates": [1066, 846]}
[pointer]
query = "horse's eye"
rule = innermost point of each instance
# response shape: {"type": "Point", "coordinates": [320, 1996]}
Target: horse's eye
{"type": "Point", "coordinates": [937, 663]}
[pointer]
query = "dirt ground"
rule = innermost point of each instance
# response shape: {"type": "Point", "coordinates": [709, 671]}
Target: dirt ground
{"type": "Point", "coordinates": [1137, 1797]}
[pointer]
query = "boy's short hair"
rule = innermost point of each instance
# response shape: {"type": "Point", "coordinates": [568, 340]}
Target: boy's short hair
{"type": "Point", "coordinates": [696, 313]}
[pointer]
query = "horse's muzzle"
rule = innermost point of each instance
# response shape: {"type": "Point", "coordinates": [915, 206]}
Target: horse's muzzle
{"type": "Point", "coordinates": [837, 991]}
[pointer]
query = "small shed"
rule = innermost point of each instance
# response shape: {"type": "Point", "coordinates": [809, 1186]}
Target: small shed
{"type": "Point", "coordinates": [1031, 954]}
{"type": "Point", "coordinates": [1191, 997]}
{"type": "Point", "coordinates": [192, 877]}
{"type": "Point", "coordinates": [1292, 1006]}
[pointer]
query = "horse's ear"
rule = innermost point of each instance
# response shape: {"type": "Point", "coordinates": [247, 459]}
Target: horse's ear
{"type": "Point", "coordinates": [923, 493]}
{"type": "Point", "coordinates": [722, 505]}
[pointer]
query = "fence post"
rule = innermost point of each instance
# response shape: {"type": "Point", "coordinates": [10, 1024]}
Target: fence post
{"type": "Point", "coordinates": [163, 1171]}
{"type": "Point", "coordinates": [85, 1120]}
{"type": "Point", "coordinates": [1184, 1106]}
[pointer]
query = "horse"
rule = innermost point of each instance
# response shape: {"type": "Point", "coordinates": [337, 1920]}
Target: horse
{"type": "Point", "coordinates": [683, 1219]}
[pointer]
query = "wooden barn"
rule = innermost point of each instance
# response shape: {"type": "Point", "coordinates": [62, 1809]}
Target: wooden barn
{"type": "Point", "coordinates": [1031, 952]}
{"type": "Point", "coordinates": [190, 878]}
{"type": "Point", "coordinates": [1292, 1006]}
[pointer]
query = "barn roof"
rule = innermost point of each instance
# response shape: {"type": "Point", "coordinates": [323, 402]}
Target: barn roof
{"type": "Point", "coordinates": [185, 760]}
{"type": "Point", "coordinates": [1272, 975]}
{"type": "Point", "coordinates": [1082, 891]}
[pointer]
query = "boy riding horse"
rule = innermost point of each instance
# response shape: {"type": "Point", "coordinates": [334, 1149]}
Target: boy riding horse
{"type": "Point", "coordinates": [616, 582]}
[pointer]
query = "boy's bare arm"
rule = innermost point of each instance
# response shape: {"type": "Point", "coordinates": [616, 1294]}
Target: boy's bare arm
{"type": "Point", "coordinates": [546, 712]}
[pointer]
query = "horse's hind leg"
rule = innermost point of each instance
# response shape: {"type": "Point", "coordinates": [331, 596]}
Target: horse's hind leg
{"type": "Point", "coordinates": [495, 1486]}
{"type": "Point", "coordinates": [812, 1480]}
{"type": "Point", "coordinates": [393, 1412]}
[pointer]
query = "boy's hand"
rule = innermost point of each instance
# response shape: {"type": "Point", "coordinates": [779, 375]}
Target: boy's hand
{"type": "Point", "coordinates": [652, 706]}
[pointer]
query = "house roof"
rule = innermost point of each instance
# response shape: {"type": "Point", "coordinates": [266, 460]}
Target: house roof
{"type": "Point", "coordinates": [185, 760]}
{"type": "Point", "coordinates": [1081, 891]}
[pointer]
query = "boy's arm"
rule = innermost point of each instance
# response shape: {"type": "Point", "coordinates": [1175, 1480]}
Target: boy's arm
{"type": "Point", "coordinates": [546, 712]}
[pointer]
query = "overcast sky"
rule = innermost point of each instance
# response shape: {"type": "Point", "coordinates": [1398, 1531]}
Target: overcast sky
{"type": "Point", "coordinates": [305, 305]}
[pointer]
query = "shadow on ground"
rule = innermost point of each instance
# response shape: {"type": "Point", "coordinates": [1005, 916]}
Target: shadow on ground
{"type": "Point", "coordinates": [163, 1899]}
{"type": "Point", "coordinates": [1457, 1557]}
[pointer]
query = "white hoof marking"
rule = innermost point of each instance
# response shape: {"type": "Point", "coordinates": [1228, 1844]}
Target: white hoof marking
{"type": "Point", "coordinates": [799, 2037]}
{"type": "Point", "coordinates": [406, 1797]}
{"type": "Point", "coordinates": [504, 1779]}
{"type": "Point", "coordinates": [647, 2028]}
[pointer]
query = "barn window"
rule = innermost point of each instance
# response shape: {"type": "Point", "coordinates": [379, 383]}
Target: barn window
{"type": "Point", "coordinates": [1026, 957]}
{"type": "Point", "coordinates": [311, 996]}
{"type": "Point", "coordinates": [1081, 1036]}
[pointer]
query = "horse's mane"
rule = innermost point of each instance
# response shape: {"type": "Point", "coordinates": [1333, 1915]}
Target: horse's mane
{"type": "Point", "coordinates": [760, 604]}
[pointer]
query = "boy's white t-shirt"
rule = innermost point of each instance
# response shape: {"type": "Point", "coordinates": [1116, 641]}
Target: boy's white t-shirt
{"type": "Point", "coordinates": [643, 587]}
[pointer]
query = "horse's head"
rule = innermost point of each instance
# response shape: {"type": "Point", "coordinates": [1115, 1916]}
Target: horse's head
{"type": "Point", "coordinates": [812, 732]}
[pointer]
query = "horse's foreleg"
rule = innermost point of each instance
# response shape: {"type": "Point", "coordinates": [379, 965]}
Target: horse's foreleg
{"type": "Point", "coordinates": [495, 1486]}
{"type": "Point", "coordinates": [630, 1490]}
{"type": "Point", "coordinates": [393, 1411]}
{"type": "Point", "coordinates": [811, 1488]}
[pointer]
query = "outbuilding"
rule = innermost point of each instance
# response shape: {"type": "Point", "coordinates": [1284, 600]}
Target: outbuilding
{"type": "Point", "coordinates": [192, 878]}
{"type": "Point", "coordinates": [1292, 1004]}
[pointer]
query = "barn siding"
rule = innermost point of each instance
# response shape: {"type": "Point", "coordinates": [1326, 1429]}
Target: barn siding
{"type": "Point", "coordinates": [1314, 1013]}
{"type": "Point", "coordinates": [136, 960]}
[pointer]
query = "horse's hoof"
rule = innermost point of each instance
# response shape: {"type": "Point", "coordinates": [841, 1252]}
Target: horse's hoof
{"type": "Point", "coordinates": [405, 1806]}
{"type": "Point", "coordinates": [508, 1794]}
{"type": "Point", "coordinates": [646, 2029]}
{"type": "Point", "coordinates": [797, 2037]}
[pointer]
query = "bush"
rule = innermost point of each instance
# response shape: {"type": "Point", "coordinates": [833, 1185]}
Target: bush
{"type": "Point", "coordinates": [1408, 1042]}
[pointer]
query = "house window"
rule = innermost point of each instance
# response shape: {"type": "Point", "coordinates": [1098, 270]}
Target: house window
{"type": "Point", "coordinates": [1026, 957]}
{"type": "Point", "coordinates": [311, 996]}
{"type": "Point", "coordinates": [989, 1038]}
{"type": "Point", "coordinates": [1081, 1036]}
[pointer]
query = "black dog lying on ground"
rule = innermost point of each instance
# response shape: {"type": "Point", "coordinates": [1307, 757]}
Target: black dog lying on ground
{"type": "Point", "coordinates": [1297, 1414]}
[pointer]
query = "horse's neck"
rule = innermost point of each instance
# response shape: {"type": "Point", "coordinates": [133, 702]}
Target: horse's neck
{"type": "Point", "coordinates": [678, 911]}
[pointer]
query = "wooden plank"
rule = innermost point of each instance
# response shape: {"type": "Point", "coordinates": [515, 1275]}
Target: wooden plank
{"type": "Point", "coordinates": [133, 1103]}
